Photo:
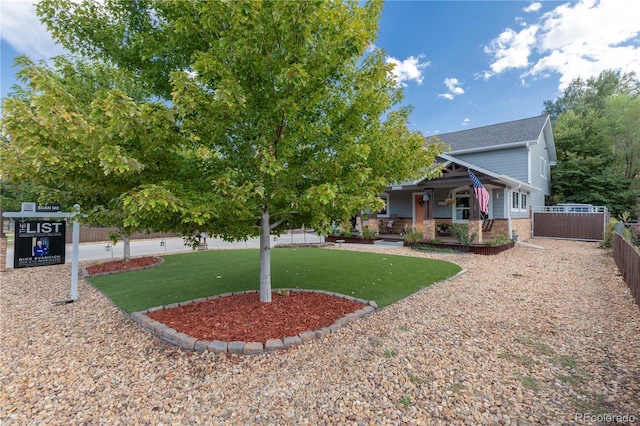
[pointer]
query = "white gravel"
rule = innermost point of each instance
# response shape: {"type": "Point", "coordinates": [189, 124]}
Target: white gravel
{"type": "Point", "coordinates": [526, 337]}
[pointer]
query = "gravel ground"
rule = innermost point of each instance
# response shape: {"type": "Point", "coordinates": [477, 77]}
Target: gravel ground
{"type": "Point", "coordinates": [526, 337]}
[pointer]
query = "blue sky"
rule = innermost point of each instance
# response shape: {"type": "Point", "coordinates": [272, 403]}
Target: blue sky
{"type": "Point", "coordinates": [463, 64]}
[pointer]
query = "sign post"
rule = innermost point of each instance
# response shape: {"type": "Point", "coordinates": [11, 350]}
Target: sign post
{"type": "Point", "coordinates": [42, 242]}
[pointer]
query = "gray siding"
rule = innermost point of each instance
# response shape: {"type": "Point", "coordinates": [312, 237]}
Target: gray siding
{"type": "Point", "coordinates": [511, 162]}
{"type": "Point", "coordinates": [400, 203]}
{"type": "Point", "coordinates": [540, 156]}
{"type": "Point", "coordinates": [497, 209]}
{"type": "Point", "coordinates": [537, 199]}
{"type": "Point", "coordinates": [441, 212]}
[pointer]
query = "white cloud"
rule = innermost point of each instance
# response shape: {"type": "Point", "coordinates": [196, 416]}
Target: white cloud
{"type": "Point", "coordinates": [22, 30]}
{"type": "Point", "coordinates": [577, 39]}
{"type": "Point", "coordinates": [465, 122]}
{"type": "Point", "coordinates": [533, 7]}
{"type": "Point", "coordinates": [408, 70]}
{"type": "Point", "coordinates": [511, 49]}
{"type": "Point", "coordinates": [454, 88]}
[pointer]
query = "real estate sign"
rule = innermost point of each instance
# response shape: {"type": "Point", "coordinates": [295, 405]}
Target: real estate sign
{"type": "Point", "coordinates": [39, 243]}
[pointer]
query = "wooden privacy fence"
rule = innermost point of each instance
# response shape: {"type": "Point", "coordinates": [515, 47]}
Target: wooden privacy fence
{"type": "Point", "coordinates": [588, 226]}
{"type": "Point", "coordinates": [91, 235]}
{"type": "Point", "coordinates": [628, 260]}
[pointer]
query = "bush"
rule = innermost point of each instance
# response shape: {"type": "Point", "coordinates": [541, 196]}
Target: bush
{"type": "Point", "coordinates": [444, 228]}
{"type": "Point", "coordinates": [609, 232]}
{"type": "Point", "coordinates": [498, 241]}
{"type": "Point", "coordinates": [368, 234]}
{"type": "Point", "coordinates": [461, 232]}
{"type": "Point", "coordinates": [413, 237]}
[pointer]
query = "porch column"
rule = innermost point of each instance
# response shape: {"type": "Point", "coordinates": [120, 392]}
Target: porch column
{"type": "Point", "coordinates": [475, 226]}
{"type": "Point", "coordinates": [475, 219]}
{"type": "Point", "coordinates": [428, 222]}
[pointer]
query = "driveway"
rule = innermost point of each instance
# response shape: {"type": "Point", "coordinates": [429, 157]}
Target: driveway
{"type": "Point", "coordinates": [530, 336]}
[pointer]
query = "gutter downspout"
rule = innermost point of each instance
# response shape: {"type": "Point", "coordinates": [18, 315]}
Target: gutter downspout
{"type": "Point", "coordinates": [510, 226]}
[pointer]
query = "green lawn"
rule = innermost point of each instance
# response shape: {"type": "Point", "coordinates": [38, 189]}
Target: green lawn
{"type": "Point", "coordinates": [370, 276]}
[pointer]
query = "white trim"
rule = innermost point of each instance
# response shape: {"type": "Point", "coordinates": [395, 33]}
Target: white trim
{"type": "Point", "coordinates": [454, 209]}
{"type": "Point", "coordinates": [522, 198]}
{"type": "Point", "coordinates": [491, 147]}
{"type": "Point", "coordinates": [544, 168]}
{"type": "Point", "coordinates": [385, 195]}
{"type": "Point", "coordinates": [530, 162]}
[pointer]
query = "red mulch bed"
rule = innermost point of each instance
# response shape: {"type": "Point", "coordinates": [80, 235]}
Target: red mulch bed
{"type": "Point", "coordinates": [244, 318]}
{"type": "Point", "coordinates": [121, 266]}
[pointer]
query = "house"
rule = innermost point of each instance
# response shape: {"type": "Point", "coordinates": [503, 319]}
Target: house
{"type": "Point", "coordinates": [511, 160]}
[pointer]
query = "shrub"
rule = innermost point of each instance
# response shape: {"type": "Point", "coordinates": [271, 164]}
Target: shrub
{"type": "Point", "coordinates": [461, 232]}
{"type": "Point", "coordinates": [368, 234]}
{"type": "Point", "coordinates": [609, 232]}
{"type": "Point", "coordinates": [443, 228]}
{"type": "Point", "coordinates": [498, 241]}
{"type": "Point", "coordinates": [413, 237]}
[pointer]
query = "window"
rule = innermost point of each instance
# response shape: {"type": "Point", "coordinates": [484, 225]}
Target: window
{"type": "Point", "coordinates": [462, 207]}
{"type": "Point", "coordinates": [519, 201]}
{"type": "Point", "coordinates": [543, 167]}
{"type": "Point", "coordinates": [384, 212]}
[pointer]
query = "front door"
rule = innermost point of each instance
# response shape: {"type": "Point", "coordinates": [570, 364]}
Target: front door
{"type": "Point", "coordinates": [418, 212]}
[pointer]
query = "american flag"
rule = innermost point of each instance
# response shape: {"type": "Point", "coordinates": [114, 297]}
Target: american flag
{"type": "Point", "coordinates": [481, 193]}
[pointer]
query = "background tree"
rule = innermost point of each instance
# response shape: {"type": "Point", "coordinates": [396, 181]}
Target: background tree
{"type": "Point", "coordinates": [592, 93]}
{"type": "Point", "coordinates": [620, 126]}
{"type": "Point", "coordinates": [596, 132]}
{"type": "Point", "coordinates": [72, 135]}
{"type": "Point", "coordinates": [295, 119]}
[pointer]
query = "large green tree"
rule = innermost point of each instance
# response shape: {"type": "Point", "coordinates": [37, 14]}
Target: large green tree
{"type": "Point", "coordinates": [297, 120]}
{"type": "Point", "coordinates": [73, 135]}
{"type": "Point", "coordinates": [592, 93]}
{"type": "Point", "coordinates": [588, 171]}
{"type": "Point", "coordinates": [596, 129]}
{"type": "Point", "coordinates": [620, 126]}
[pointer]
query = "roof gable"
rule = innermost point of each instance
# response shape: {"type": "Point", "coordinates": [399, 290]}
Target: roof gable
{"type": "Point", "coordinates": [496, 135]}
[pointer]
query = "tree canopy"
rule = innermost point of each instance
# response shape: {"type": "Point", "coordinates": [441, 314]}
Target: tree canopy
{"type": "Point", "coordinates": [597, 133]}
{"type": "Point", "coordinates": [287, 114]}
{"type": "Point", "coordinates": [73, 135]}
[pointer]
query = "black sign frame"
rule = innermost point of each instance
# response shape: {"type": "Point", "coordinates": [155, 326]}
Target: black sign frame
{"type": "Point", "coordinates": [39, 243]}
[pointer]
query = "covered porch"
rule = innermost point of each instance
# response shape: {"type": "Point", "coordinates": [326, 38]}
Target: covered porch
{"type": "Point", "coordinates": [428, 206]}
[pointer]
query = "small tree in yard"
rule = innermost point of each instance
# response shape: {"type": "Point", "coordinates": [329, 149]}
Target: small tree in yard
{"type": "Point", "coordinates": [292, 116]}
{"type": "Point", "coordinates": [74, 136]}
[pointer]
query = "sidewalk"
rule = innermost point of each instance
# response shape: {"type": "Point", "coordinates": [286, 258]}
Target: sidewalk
{"type": "Point", "coordinates": [104, 250]}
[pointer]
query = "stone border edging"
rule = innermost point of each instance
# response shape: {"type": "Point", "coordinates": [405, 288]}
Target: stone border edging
{"type": "Point", "coordinates": [247, 348]}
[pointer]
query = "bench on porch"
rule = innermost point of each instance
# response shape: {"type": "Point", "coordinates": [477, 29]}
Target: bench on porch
{"type": "Point", "coordinates": [385, 226]}
{"type": "Point", "coordinates": [394, 225]}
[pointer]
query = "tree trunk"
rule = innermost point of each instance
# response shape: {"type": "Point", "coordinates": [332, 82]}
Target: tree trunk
{"type": "Point", "coordinates": [265, 258]}
{"type": "Point", "coordinates": [126, 245]}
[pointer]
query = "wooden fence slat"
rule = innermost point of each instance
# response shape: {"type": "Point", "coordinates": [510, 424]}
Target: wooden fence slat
{"type": "Point", "coordinates": [579, 226]}
{"type": "Point", "coordinates": [628, 261]}
{"type": "Point", "coordinates": [91, 235]}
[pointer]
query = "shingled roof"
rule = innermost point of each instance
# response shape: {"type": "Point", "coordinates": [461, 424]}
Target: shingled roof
{"type": "Point", "coordinates": [525, 130]}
